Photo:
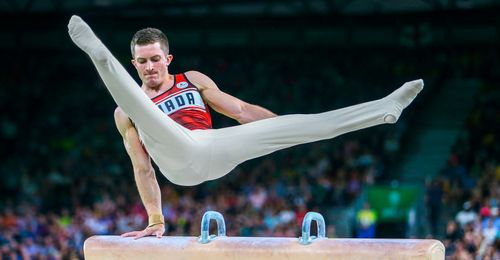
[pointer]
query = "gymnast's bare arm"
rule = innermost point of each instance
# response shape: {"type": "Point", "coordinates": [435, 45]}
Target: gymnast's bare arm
{"type": "Point", "coordinates": [144, 174]}
{"type": "Point", "coordinates": [226, 104]}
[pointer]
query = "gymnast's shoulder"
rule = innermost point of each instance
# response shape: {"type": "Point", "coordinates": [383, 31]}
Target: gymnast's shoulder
{"type": "Point", "coordinates": [200, 80]}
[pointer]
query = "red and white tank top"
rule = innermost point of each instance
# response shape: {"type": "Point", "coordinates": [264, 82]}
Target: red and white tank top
{"type": "Point", "coordinates": [183, 103]}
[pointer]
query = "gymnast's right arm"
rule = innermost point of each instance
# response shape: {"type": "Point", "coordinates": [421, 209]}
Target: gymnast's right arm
{"type": "Point", "coordinates": [144, 175]}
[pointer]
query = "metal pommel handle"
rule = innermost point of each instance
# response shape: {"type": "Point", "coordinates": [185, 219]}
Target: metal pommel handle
{"type": "Point", "coordinates": [306, 238]}
{"type": "Point", "coordinates": [205, 226]}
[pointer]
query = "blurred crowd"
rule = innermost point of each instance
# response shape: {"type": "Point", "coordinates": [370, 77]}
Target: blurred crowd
{"type": "Point", "coordinates": [464, 199]}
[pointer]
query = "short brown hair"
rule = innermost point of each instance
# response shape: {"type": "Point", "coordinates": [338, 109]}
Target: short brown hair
{"type": "Point", "coordinates": [149, 36]}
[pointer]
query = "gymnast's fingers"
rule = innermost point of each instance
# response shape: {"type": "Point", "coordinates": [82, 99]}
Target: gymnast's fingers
{"type": "Point", "coordinates": [143, 233]}
{"type": "Point", "coordinates": [130, 234]}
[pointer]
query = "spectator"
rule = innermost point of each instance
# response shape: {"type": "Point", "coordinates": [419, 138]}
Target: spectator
{"type": "Point", "coordinates": [466, 215]}
{"type": "Point", "coordinates": [366, 222]}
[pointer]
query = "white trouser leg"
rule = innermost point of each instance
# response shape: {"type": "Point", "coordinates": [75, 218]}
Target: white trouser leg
{"type": "Point", "coordinates": [235, 145]}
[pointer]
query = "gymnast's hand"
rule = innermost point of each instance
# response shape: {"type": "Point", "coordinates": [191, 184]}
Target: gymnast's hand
{"type": "Point", "coordinates": [156, 230]}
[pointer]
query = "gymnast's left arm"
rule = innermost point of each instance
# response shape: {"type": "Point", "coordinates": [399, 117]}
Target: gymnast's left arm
{"type": "Point", "coordinates": [226, 104]}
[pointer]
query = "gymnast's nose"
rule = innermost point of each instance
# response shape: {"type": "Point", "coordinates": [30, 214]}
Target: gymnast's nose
{"type": "Point", "coordinates": [149, 66]}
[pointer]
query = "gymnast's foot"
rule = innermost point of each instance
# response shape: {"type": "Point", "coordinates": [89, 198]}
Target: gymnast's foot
{"type": "Point", "coordinates": [84, 37]}
{"type": "Point", "coordinates": [401, 98]}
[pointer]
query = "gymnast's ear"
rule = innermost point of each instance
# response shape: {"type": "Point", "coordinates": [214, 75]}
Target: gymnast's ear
{"type": "Point", "coordinates": [169, 58]}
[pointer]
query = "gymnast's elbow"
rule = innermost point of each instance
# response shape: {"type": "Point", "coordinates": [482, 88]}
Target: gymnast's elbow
{"type": "Point", "coordinates": [243, 114]}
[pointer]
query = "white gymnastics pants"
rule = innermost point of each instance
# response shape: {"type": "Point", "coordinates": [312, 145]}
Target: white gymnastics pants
{"type": "Point", "coordinates": [190, 157]}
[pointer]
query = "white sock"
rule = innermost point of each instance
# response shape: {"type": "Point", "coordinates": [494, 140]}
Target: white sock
{"type": "Point", "coordinates": [402, 97]}
{"type": "Point", "coordinates": [83, 36]}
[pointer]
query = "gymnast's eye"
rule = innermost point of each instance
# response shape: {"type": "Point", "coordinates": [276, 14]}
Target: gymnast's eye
{"type": "Point", "coordinates": [156, 58]}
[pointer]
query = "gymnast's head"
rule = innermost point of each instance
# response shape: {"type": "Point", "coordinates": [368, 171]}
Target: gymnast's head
{"type": "Point", "coordinates": [150, 56]}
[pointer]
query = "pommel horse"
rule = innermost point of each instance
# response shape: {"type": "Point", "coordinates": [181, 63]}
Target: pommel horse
{"type": "Point", "coordinates": [222, 247]}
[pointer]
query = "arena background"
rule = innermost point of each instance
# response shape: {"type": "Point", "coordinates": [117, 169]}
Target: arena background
{"type": "Point", "coordinates": [65, 175]}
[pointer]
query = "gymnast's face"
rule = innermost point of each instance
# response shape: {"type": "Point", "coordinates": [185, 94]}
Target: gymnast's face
{"type": "Point", "coordinates": [151, 63]}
